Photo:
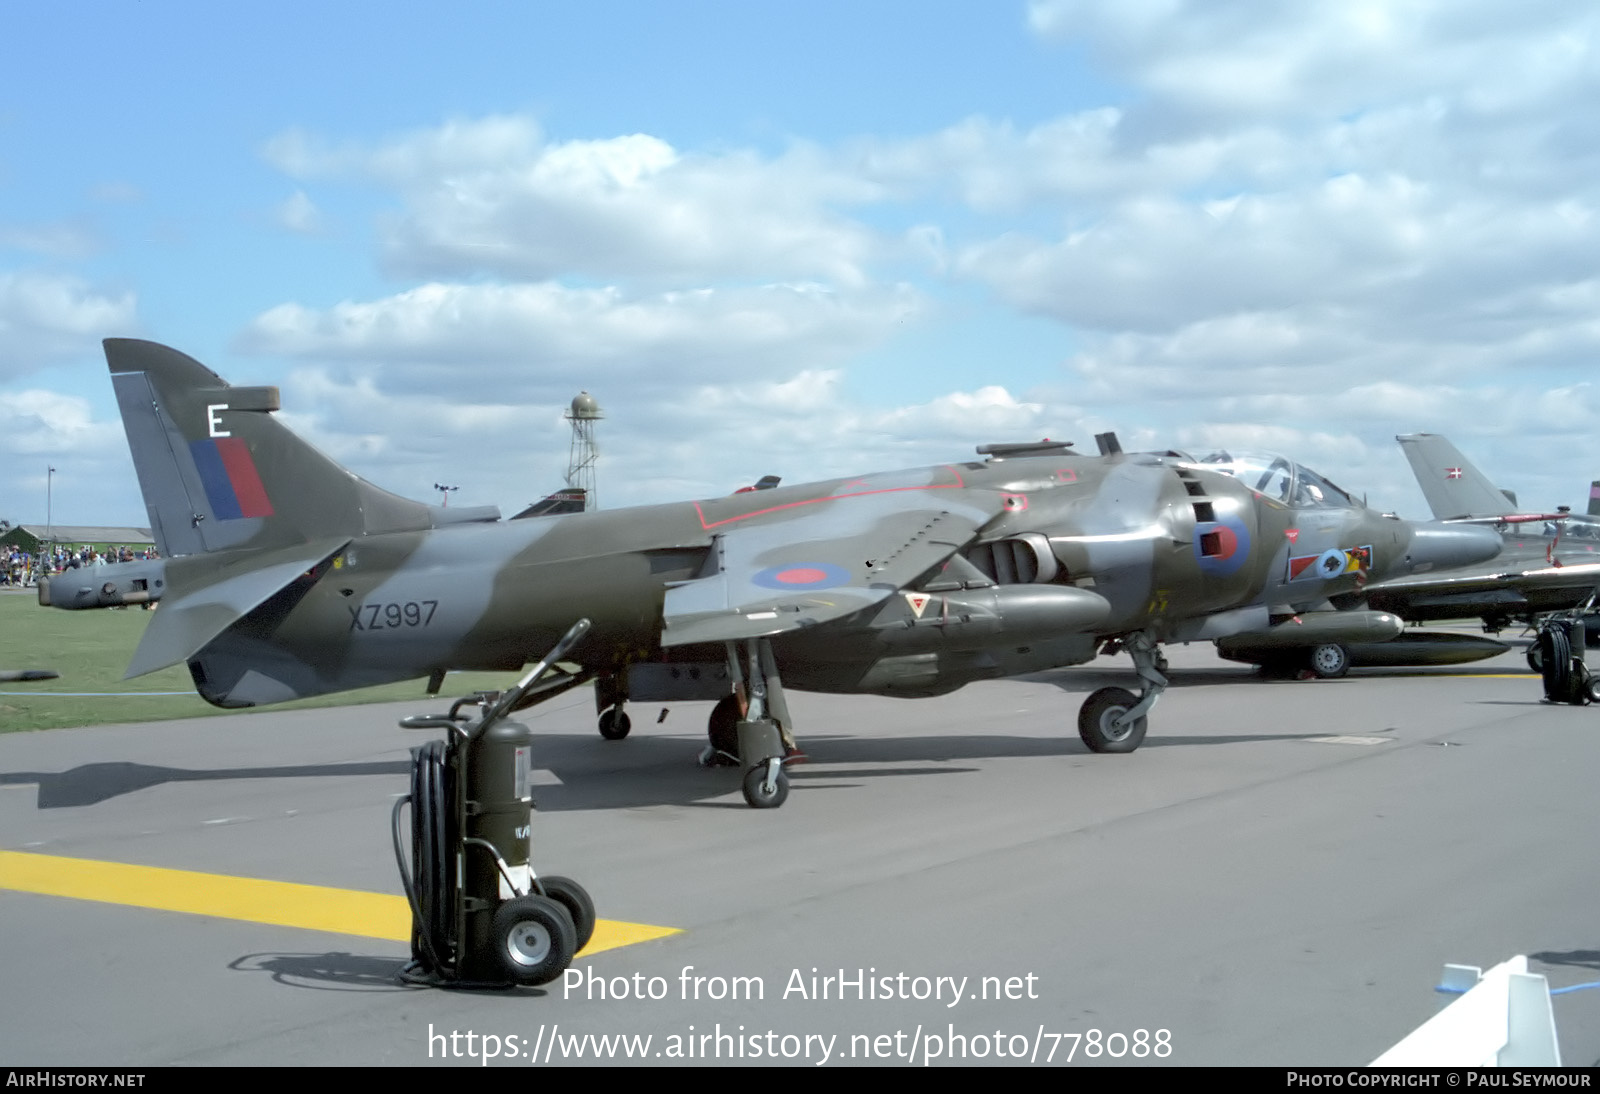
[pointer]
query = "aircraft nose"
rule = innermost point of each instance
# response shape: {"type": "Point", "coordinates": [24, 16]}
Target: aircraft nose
{"type": "Point", "coordinates": [1439, 546]}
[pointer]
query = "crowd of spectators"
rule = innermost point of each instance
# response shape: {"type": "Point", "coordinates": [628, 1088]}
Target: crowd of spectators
{"type": "Point", "coordinates": [21, 568]}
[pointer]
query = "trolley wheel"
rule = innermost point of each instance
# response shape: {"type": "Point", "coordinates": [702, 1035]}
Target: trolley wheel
{"type": "Point", "coordinates": [532, 937]}
{"type": "Point", "coordinates": [575, 899]}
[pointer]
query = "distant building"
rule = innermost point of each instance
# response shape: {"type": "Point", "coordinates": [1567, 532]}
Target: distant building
{"type": "Point", "coordinates": [31, 537]}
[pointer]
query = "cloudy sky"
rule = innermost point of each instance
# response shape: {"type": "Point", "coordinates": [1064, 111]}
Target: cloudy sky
{"type": "Point", "coordinates": [806, 239]}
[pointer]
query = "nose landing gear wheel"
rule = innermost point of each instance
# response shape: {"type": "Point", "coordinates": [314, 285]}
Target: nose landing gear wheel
{"type": "Point", "coordinates": [533, 939]}
{"type": "Point", "coordinates": [1097, 718]}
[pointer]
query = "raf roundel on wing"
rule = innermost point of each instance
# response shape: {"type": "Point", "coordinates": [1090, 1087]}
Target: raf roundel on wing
{"type": "Point", "coordinates": [802, 576]}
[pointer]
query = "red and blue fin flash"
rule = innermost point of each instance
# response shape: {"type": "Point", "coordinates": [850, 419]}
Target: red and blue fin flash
{"type": "Point", "coordinates": [228, 471]}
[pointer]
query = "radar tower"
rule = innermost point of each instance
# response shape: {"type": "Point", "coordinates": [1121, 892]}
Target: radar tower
{"type": "Point", "coordinates": [583, 454]}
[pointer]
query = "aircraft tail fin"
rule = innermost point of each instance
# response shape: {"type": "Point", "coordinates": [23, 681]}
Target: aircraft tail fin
{"type": "Point", "coordinates": [219, 473]}
{"type": "Point", "coordinates": [1594, 498]}
{"type": "Point", "coordinates": [1453, 486]}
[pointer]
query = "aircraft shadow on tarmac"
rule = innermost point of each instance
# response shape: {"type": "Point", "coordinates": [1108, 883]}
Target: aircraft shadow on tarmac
{"type": "Point", "coordinates": [641, 771]}
{"type": "Point", "coordinates": [90, 784]}
{"type": "Point", "coordinates": [1583, 959]}
{"type": "Point", "coordinates": [1535, 701]}
{"type": "Point", "coordinates": [1086, 680]}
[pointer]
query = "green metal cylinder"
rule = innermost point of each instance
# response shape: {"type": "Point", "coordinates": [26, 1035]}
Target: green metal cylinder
{"type": "Point", "coordinates": [496, 809]}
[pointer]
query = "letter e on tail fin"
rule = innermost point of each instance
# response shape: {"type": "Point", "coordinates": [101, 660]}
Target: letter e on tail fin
{"type": "Point", "coordinates": [219, 472]}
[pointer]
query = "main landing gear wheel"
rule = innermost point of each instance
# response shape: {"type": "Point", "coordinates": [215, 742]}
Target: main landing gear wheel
{"type": "Point", "coordinates": [1535, 659]}
{"type": "Point", "coordinates": [722, 729]}
{"type": "Point", "coordinates": [615, 724]}
{"type": "Point", "coordinates": [1329, 661]}
{"type": "Point", "coordinates": [1097, 718]}
{"type": "Point", "coordinates": [575, 899]}
{"type": "Point", "coordinates": [756, 794]}
{"type": "Point", "coordinates": [532, 938]}
{"type": "Point", "coordinates": [1278, 667]}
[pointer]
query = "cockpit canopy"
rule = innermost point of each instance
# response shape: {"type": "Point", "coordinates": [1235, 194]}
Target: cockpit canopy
{"type": "Point", "coordinates": [1279, 479]}
{"type": "Point", "coordinates": [1574, 527]}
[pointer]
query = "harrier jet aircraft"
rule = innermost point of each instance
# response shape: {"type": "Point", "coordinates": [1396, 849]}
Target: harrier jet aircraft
{"type": "Point", "coordinates": [1550, 561]}
{"type": "Point", "coordinates": [289, 576]}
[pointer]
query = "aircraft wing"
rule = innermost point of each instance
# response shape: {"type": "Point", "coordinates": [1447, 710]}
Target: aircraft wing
{"type": "Point", "coordinates": [785, 570]}
{"type": "Point", "coordinates": [1542, 577]}
{"type": "Point", "coordinates": [205, 596]}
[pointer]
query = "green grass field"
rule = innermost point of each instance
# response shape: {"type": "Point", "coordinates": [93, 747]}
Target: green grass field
{"type": "Point", "coordinates": [91, 650]}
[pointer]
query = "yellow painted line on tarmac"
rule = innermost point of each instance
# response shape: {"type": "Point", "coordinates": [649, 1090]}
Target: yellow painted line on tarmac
{"type": "Point", "coordinates": [253, 900]}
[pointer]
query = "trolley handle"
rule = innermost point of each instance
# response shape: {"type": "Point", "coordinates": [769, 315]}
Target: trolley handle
{"type": "Point", "coordinates": [508, 700]}
{"type": "Point", "coordinates": [429, 721]}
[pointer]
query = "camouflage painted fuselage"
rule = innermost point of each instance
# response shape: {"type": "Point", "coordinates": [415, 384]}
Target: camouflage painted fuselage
{"type": "Point", "coordinates": [293, 577]}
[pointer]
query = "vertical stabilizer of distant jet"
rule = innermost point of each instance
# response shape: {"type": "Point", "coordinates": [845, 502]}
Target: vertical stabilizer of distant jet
{"type": "Point", "coordinates": [1453, 486]}
{"type": "Point", "coordinates": [1594, 498]}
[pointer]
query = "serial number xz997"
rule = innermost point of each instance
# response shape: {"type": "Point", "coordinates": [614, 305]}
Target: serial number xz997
{"type": "Point", "coordinates": [377, 617]}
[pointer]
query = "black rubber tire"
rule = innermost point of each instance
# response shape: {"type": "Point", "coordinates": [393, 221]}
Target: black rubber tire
{"type": "Point", "coordinates": [1557, 658]}
{"type": "Point", "coordinates": [615, 724]}
{"type": "Point", "coordinates": [1278, 667]}
{"type": "Point", "coordinates": [755, 792]}
{"type": "Point", "coordinates": [532, 939]}
{"type": "Point", "coordinates": [722, 726]}
{"type": "Point", "coordinates": [1329, 661]}
{"type": "Point", "coordinates": [575, 899]}
{"type": "Point", "coordinates": [1096, 715]}
{"type": "Point", "coordinates": [1535, 659]}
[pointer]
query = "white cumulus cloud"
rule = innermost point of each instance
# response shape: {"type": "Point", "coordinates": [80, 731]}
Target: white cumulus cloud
{"type": "Point", "coordinates": [45, 317]}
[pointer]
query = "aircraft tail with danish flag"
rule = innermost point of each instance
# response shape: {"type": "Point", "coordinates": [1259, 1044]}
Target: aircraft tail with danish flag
{"type": "Point", "coordinates": [1455, 489]}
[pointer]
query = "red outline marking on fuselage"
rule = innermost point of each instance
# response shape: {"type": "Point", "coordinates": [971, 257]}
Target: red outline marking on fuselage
{"type": "Point", "coordinates": [959, 484]}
